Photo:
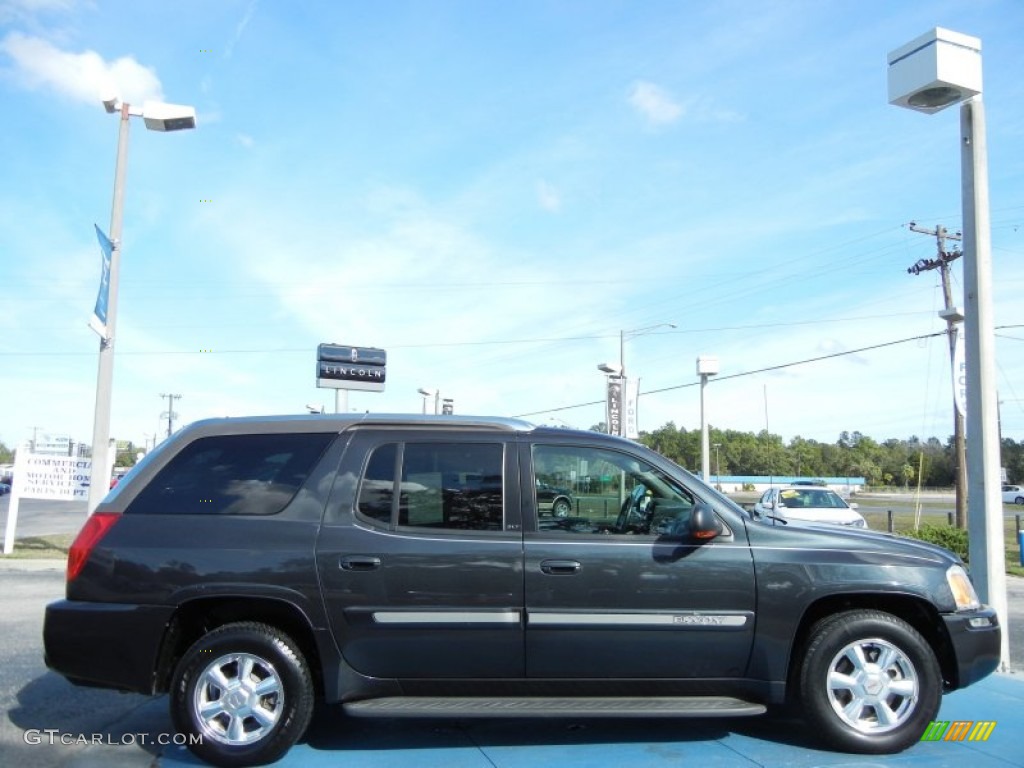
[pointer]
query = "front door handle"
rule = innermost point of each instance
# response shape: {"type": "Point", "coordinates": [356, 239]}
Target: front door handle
{"type": "Point", "coordinates": [359, 563]}
{"type": "Point", "coordinates": [560, 567]}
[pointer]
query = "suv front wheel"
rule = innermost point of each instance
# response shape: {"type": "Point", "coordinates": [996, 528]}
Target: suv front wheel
{"type": "Point", "coordinates": [243, 693]}
{"type": "Point", "coordinates": [869, 682]}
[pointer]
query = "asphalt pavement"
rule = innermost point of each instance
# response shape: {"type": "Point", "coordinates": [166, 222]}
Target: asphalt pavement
{"type": "Point", "coordinates": [38, 517]}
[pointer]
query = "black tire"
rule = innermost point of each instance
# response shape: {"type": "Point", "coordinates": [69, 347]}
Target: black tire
{"type": "Point", "coordinates": [1019, 500]}
{"type": "Point", "coordinates": [861, 669]}
{"type": "Point", "coordinates": [265, 707]}
{"type": "Point", "coordinates": [561, 507]}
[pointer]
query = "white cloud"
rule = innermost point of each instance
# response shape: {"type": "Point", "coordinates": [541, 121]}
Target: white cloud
{"type": "Point", "coordinates": [654, 103]}
{"type": "Point", "coordinates": [660, 107]}
{"type": "Point", "coordinates": [548, 197]}
{"type": "Point", "coordinates": [246, 140]}
{"type": "Point", "coordinates": [836, 347]}
{"type": "Point", "coordinates": [229, 49]}
{"type": "Point", "coordinates": [27, 10]}
{"type": "Point", "coordinates": [79, 76]}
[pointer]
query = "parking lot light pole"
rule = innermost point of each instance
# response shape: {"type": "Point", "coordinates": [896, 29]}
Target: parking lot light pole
{"type": "Point", "coordinates": [632, 334]}
{"type": "Point", "coordinates": [706, 367]}
{"type": "Point", "coordinates": [157, 116]}
{"type": "Point", "coordinates": [618, 372]}
{"type": "Point", "coordinates": [435, 393]}
{"type": "Point", "coordinates": [935, 71]}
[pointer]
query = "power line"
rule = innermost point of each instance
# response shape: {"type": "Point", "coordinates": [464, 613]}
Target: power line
{"type": "Point", "coordinates": [753, 372]}
{"type": "Point", "coordinates": [497, 342]}
{"type": "Point", "coordinates": [952, 316]}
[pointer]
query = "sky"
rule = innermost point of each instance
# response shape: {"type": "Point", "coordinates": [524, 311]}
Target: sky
{"type": "Point", "coordinates": [496, 194]}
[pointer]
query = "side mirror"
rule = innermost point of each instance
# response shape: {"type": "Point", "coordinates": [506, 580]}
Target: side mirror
{"type": "Point", "coordinates": [704, 523]}
{"type": "Point", "coordinates": [853, 505]}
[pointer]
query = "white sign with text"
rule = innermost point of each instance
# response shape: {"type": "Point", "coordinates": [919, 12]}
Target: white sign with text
{"type": "Point", "coordinates": [40, 476]}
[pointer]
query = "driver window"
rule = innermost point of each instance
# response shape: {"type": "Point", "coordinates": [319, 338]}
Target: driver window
{"type": "Point", "coordinates": [598, 491]}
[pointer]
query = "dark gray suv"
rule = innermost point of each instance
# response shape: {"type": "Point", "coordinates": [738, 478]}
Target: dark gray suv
{"type": "Point", "coordinates": [403, 566]}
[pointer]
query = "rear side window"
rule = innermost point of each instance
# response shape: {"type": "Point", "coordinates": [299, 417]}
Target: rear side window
{"type": "Point", "coordinates": [378, 487]}
{"type": "Point", "coordinates": [232, 475]}
{"type": "Point", "coordinates": [454, 486]}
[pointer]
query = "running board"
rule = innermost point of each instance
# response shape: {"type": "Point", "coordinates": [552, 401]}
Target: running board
{"type": "Point", "coordinates": [536, 706]}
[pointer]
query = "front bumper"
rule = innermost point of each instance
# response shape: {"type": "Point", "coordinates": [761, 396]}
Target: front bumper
{"type": "Point", "coordinates": [976, 637]}
{"type": "Point", "coordinates": [103, 644]}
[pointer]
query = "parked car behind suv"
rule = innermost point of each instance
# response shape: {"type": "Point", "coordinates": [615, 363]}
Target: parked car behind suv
{"type": "Point", "coordinates": [807, 504]}
{"type": "Point", "coordinates": [553, 500]}
{"type": "Point", "coordinates": [400, 566]}
{"type": "Point", "coordinates": [1013, 494]}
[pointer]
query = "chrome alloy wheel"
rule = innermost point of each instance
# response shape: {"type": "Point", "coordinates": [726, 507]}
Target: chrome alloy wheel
{"type": "Point", "coordinates": [872, 686]}
{"type": "Point", "coordinates": [238, 698]}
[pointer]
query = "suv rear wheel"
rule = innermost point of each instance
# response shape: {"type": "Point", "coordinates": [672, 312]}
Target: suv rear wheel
{"type": "Point", "coordinates": [869, 682]}
{"type": "Point", "coordinates": [246, 690]}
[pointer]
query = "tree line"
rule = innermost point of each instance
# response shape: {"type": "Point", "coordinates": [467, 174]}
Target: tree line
{"type": "Point", "coordinates": [893, 462]}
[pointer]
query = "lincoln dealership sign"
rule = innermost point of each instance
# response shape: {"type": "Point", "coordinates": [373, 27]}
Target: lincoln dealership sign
{"type": "Point", "coordinates": [343, 367]}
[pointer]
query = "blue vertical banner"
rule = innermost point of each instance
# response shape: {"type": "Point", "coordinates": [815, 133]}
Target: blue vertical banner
{"type": "Point", "coordinates": [99, 315]}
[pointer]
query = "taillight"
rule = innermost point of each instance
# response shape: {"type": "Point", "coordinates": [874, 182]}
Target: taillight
{"type": "Point", "coordinates": [95, 528]}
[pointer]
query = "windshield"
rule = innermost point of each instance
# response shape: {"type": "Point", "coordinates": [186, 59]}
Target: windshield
{"type": "Point", "coordinates": [811, 498]}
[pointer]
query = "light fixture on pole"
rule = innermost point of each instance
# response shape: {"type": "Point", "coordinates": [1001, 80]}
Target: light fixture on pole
{"type": "Point", "coordinates": [928, 74]}
{"type": "Point", "coordinates": [435, 393]}
{"type": "Point", "coordinates": [706, 367]}
{"type": "Point", "coordinates": [157, 116]}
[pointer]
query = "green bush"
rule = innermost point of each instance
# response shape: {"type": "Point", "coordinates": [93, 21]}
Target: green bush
{"type": "Point", "coordinates": [748, 486]}
{"type": "Point", "coordinates": [953, 539]}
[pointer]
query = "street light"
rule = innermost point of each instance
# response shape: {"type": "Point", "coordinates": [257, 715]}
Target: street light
{"type": "Point", "coordinates": [932, 72]}
{"type": "Point", "coordinates": [718, 467]}
{"type": "Point", "coordinates": [435, 393]}
{"type": "Point", "coordinates": [157, 116]}
{"type": "Point", "coordinates": [706, 367]}
{"type": "Point", "coordinates": [622, 398]}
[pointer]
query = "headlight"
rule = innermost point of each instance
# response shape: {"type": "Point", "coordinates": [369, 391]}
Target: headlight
{"type": "Point", "coordinates": [963, 591]}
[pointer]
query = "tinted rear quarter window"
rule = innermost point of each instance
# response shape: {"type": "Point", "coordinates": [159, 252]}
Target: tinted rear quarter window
{"type": "Point", "coordinates": [454, 486]}
{"type": "Point", "coordinates": [232, 475]}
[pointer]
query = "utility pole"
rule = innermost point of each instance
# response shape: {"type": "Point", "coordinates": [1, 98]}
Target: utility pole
{"type": "Point", "coordinates": [169, 413]}
{"type": "Point", "coordinates": [952, 316]}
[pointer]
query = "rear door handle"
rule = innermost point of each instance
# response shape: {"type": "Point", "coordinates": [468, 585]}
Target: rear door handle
{"type": "Point", "coordinates": [359, 563]}
{"type": "Point", "coordinates": [560, 567]}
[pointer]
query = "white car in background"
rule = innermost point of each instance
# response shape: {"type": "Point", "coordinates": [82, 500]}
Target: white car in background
{"type": "Point", "coordinates": [808, 504]}
{"type": "Point", "coordinates": [1013, 494]}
